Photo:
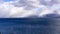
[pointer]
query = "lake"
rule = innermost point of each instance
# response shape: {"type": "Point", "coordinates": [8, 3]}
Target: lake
{"type": "Point", "coordinates": [29, 25]}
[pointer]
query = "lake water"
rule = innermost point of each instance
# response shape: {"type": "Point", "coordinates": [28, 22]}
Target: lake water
{"type": "Point", "coordinates": [29, 26]}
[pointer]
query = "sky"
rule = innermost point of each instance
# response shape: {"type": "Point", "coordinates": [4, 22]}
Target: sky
{"type": "Point", "coordinates": [7, 0]}
{"type": "Point", "coordinates": [26, 8]}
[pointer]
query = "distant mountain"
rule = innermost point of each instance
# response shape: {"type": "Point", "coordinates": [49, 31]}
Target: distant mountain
{"type": "Point", "coordinates": [45, 16]}
{"type": "Point", "coordinates": [52, 16]}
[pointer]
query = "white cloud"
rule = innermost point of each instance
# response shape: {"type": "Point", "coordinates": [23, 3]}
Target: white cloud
{"type": "Point", "coordinates": [25, 8]}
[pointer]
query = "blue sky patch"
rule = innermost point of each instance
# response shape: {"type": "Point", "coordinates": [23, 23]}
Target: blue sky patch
{"type": "Point", "coordinates": [7, 0]}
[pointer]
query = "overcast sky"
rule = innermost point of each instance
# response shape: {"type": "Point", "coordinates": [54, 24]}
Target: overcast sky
{"type": "Point", "coordinates": [26, 8]}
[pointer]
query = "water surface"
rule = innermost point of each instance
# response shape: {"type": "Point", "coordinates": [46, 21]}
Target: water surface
{"type": "Point", "coordinates": [29, 26]}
